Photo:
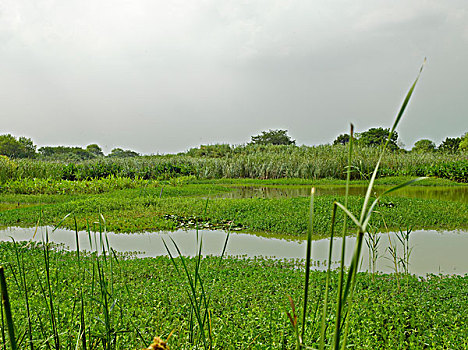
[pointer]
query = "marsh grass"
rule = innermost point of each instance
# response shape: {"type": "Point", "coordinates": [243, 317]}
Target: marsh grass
{"type": "Point", "coordinates": [6, 308]}
{"type": "Point", "coordinates": [199, 296]}
{"type": "Point", "coordinates": [373, 242]}
{"type": "Point", "coordinates": [254, 162]}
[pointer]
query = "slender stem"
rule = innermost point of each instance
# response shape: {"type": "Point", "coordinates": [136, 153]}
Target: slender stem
{"type": "Point", "coordinates": [308, 258]}
{"type": "Point", "coordinates": [7, 308]}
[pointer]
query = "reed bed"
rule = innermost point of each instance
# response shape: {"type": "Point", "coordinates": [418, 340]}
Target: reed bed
{"type": "Point", "coordinates": [256, 162]}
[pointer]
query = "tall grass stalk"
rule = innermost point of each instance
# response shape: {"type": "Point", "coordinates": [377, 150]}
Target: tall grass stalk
{"type": "Point", "coordinates": [193, 295]}
{"type": "Point", "coordinates": [7, 309]}
{"type": "Point", "coordinates": [50, 296]}
{"type": "Point", "coordinates": [373, 241]}
{"type": "Point", "coordinates": [393, 250]}
{"type": "Point", "coordinates": [308, 259]}
{"type": "Point", "coordinates": [198, 296]}
{"type": "Point", "coordinates": [346, 289]}
{"type": "Point", "coordinates": [82, 332]}
{"type": "Point", "coordinates": [22, 273]}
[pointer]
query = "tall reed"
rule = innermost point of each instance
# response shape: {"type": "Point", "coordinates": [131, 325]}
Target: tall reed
{"type": "Point", "coordinates": [347, 281]}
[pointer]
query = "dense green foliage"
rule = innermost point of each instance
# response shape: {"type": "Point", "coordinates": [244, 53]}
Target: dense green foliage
{"type": "Point", "coordinates": [342, 139]}
{"type": "Point", "coordinates": [254, 161]}
{"type": "Point", "coordinates": [49, 186]}
{"type": "Point", "coordinates": [210, 151]}
{"type": "Point", "coordinates": [450, 145]}
{"type": "Point", "coordinates": [463, 146]}
{"type": "Point", "coordinates": [121, 153]}
{"type": "Point", "coordinates": [66, 153]}
{"type": "Point", "coordinates": [147, 298]}
{"type": "Point", "coordinates": [273, 137]}
{"type": "Point", "coordinates": [456, 171]}
{"type": "Point", "coordinates": [12, 147]}
{"type": "Point", "coordinates": [376, 137]}
{"type": "Point", "coordinates": [175, 204]}
{"type": "Point", "coordinates": [424, 145]}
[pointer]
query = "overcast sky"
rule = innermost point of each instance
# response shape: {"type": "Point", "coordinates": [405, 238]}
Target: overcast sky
{"type": "Point", "coordinates": [164, 76]}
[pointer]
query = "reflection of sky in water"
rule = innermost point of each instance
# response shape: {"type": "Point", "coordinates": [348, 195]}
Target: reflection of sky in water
{"type": "Point", "coordinates": [433, 252]}
{"type": "Point", "coordinates": [454, 193]}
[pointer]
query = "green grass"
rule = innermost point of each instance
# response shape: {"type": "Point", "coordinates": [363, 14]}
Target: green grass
{"type": "Point", "coordinates": [248, 303]}
{"type": "Point", "coordinates": [128, 211]}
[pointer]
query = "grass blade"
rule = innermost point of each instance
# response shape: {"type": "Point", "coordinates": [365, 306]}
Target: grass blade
{"type": "Point", "coordinates": [310, 229]}
{"type": "Point", "coordinates": [7, 308]}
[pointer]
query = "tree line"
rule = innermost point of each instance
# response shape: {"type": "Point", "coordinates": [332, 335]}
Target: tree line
{"type": "Point", "coordinates": [23, 147]}
{"type": "Point", "coordinates": [373, 137]}
{"type": "Point", "coordinates": [377, 136]}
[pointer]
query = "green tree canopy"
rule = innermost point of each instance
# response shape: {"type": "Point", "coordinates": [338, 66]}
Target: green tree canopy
{"type": "Point", "coordinates": [65, 153]}
{"type": "Point", "coordinates": [95, 150]}
{"type": "Point", "coordinates": [272, 137]}
{"type": "Point", "coordinates": [121, 153]}
{"type": "Point", "coordinates": [342, 139]}
{"type": "Point", "coordinates": [424, 145]}
{"type": "Point", "coordinates": [463, 147]}
{"type": "Point", "coordinates": [376, 137]}
{"type": "Point", "coordinates": [17, 148]}
{"type": "Point", "coordinates": [212, 151]}
{"type": "Point", "coordinates": [450, 145]}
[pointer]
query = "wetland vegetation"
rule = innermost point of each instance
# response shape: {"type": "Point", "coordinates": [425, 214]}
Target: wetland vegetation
{"type": "Point", "coordinates": [147, 297]}
{"type": "Point", "coordinates": [59, 299]}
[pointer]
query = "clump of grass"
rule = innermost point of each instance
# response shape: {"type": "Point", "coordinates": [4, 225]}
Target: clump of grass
{"type": "Point", "coordinates": [66, 187]}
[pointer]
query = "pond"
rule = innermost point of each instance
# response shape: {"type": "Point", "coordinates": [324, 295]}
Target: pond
{"type": "Point", "coordinates": [453, 193]}
{"type": "Point", "coordinates": [432, 252]}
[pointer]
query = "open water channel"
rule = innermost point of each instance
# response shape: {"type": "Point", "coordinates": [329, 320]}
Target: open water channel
{"type": "Point", "coordinates": [451, 193]}
{"type": "Point", "coordinates": [432, 252]}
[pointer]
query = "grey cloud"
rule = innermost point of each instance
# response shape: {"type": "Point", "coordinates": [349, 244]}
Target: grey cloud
{"type": "Point", "coordinates": [159, 76]}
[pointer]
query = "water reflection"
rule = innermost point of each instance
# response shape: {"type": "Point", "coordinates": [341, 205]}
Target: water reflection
{"type": "Point", "coordinates": [433, 252]}
{"type": "Point", "coordinates": [454, 193]}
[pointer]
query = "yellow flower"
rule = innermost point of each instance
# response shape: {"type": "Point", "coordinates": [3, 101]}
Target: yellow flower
{"type": "Point", "coordinates": [157, 344]}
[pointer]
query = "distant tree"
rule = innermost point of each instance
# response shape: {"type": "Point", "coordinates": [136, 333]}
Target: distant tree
{"type": "Point", "coordinates": [450, 145]}
{"type": "Point", "coordinates": [342, 139]}
{"type": "Point", "coordinates": [65, 153]}
{"type": "Point", "coordinates": [272, 137]}
{"type": "Point", "coordinates": [29, 148]}
{"type": "Point", "coordinates": [375, 137]}
{"type": "Point", "coordinates": [424, 146]}
{"type": "Point", "coordinates": [13, 148]}
{"type": "Point", "coordinates": [95, 150]}
{"type": "Point", "coordinates": [120, 153]}
{"type": "Point", "coordinates": [212, 151]}
{"type": "Point", "coordinates": [463, 147]}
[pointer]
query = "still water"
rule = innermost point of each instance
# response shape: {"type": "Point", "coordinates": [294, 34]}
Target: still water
{"type": "Point", "coordinates": [432, 252]}
{"type": "Point", "coordinates": [453, 193]}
